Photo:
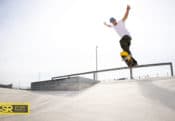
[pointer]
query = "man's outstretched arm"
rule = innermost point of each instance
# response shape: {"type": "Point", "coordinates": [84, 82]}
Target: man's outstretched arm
{"type": "Point", "coordinates": [126, 13]}
{"type": "Point", "coordinates": [107, 24]}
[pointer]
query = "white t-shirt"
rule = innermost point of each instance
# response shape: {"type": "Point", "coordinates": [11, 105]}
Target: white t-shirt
{"type": "Point", "coordinates": [121, 29]}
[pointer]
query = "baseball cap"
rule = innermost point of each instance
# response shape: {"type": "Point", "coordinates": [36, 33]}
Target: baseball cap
{"type": "Point", "coordinates": [112, 19]}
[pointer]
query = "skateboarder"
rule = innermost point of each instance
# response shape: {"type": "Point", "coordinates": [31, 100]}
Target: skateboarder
{"type": "Point", "coordinates": [119, 27]}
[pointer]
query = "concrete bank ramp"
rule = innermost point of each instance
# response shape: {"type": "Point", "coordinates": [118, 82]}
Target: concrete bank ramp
{"type": "Point", "coordinates": [124, 100]}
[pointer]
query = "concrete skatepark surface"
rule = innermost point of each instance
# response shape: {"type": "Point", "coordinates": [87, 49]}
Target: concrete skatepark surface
{"type": "Point", "coordinates": [124, 100]}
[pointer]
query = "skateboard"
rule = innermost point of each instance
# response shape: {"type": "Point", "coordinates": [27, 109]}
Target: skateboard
{"type": "Point", "coordinates": [129, 60]}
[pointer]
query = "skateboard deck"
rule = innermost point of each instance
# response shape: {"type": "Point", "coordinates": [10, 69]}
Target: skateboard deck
{"type": "Point", "coordinates": [129, 60]}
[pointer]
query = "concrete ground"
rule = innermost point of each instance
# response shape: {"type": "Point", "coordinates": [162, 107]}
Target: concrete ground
{"type": "Point", "coordinates": [124, 100]}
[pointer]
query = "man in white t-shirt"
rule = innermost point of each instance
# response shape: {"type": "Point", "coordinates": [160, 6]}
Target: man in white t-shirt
{"type": "Point", "coordinates": [119, 27]}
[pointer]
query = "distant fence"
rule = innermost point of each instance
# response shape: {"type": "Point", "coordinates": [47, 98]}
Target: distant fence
{"type": "Point", "coordinates": [115, 69]}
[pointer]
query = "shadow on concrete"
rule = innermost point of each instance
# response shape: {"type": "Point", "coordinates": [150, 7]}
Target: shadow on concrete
{"type": "Point", "coordinates": [156, 93]}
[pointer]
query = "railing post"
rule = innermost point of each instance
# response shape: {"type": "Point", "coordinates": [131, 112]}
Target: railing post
{"type": "Point", "coordinates": [171, 68]}
{"type": "Point", "coordinates": [94, 76]}
{"type": "Point", "coordinates": [131, 73]}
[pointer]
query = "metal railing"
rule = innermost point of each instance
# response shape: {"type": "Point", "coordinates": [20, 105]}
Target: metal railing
{"type": "Point", "coordinates": [114, 69]}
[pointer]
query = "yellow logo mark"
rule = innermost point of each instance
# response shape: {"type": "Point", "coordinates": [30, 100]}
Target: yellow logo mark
{"type": "Point", "coordinates": [14, 108]}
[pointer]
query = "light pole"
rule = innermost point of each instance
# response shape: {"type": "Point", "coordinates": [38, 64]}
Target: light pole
{"type": "Point", "coordinates": [39, 76]}
{"type": "Point", "coordinates": [96, 77]}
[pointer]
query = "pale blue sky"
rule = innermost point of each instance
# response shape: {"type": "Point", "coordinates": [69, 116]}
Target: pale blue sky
{"type": "Point", "coordinates": [56, 37]}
